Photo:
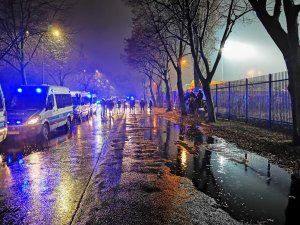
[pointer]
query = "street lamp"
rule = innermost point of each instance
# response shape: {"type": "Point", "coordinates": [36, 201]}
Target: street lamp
{"type": "Point", "coordinates": [222, 62]}
{"type": "Point", "coordinates": [183, 61]}
{"type": "Point", "coordinates": [56, 32]}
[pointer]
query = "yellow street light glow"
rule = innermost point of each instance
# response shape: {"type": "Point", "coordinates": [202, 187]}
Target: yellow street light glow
{"type": "Point", "coordinates": [56, 33]}
{"type": "Point", "coordinates": [183, 62]}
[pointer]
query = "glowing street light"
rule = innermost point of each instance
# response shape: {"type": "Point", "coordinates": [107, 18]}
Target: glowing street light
{"type": "Point", "coordinates": [56, 32]}
{"type": "Point", "coordinates": [183, 62]}
{"type": "Point", "coordinates": [237, 51]}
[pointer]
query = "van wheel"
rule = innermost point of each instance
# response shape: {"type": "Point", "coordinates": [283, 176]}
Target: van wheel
{"type": "Point", "coordinates": [45, 133]}
{"type": "Point", "coordinates": [68, 125]}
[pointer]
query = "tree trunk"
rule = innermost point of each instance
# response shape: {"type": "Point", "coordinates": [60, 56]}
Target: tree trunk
{"type": "Point", "coordinates": [151, 92]}
{"type": "Point", "coordinates": [168, 95]}
{"type": "Point", "coordinates": [180, 92]}
{"type": "Point", "coordinates": [23, 75]}
{"type": "Point", "coordinates": [293, 66]}
{"type": "Point", "coordinates": [196, 78]}
{"type": "Point", "coordinates": [209, 102]}
{"type": "Point", "coordinates": [158, 97]}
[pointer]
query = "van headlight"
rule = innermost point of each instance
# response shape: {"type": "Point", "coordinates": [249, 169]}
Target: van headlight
{"type": "Point", "coordinates": [34, 120]}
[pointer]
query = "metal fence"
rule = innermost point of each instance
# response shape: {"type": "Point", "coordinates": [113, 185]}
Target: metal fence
{"type": "Point", "coordinates": [263, 99]}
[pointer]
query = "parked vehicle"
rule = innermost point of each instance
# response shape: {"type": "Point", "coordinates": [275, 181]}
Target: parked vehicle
{"type": "Point", "coordinates": [35, 111]}
{"type": "Point", "coordinates": [81, 109]}
{"type": "Point", "coordinates": [3, 125]}
{"type": "Point", "coordinates": [91, 100]}
{"type": "Point", "coordinates": [94, 104]}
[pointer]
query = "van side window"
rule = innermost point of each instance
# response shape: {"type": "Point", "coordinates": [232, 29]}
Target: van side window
{"type": "Point", "coordinates": [50, 100]}
{"type": "Point", "coordinates": [63, 100]}
{"type": "Point", "coordinates": [1, 103]}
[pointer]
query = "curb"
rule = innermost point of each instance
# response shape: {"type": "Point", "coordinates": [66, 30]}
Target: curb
{"type": "Point", "coordinates": [104, 150]}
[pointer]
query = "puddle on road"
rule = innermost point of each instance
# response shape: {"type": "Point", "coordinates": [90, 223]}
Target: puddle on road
{"type": "Point", "coordinates": [14, 150]}
{"type": "Point", "coordinates": [244, 184]}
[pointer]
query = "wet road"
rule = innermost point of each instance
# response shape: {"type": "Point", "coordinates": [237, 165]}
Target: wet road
{"type": "Point", "coordinates": [249, 187]}
{"type": "Point", "coordinates": [44, 186]}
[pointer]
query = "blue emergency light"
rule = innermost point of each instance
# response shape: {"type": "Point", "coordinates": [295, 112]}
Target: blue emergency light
{"type": "Point", "coordinates": [38, 90]}
{"type": "Point", "coordinates": [20, 90]}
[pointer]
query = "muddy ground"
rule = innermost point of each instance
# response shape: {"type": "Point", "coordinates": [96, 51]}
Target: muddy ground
{"type": "Point", "coordinates": [274, 144]}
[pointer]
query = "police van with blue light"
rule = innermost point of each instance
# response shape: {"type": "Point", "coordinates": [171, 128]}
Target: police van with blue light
{"type": "Point", "coordinates": [91, 100]}
{"type": "Point", "coordinates": [3, 126]}
{"type": "Point", "coordinates": [35, 111]}
{"type": "Point", "coordinates": [94, 100]}
{"type": "Point", "coordinates": [80, 107]}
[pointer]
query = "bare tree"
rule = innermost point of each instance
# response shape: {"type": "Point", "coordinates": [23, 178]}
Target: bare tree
{"type": "Point", "coordinates": [22, 26]}
{"type": "Point", "coordinates": [144, 49]}
{"type": "Point", "coordinates": [286, 37]}
{"type": "Point", "coordinates": [145, 52]}
{"type": "Point", "coordinates": [170, 33]}
{"type": "Point", "coordinates": [61, 56]}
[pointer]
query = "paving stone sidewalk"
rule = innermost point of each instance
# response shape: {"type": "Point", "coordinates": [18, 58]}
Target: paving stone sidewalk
{"type": "Point", "coordinates": [132, 185]}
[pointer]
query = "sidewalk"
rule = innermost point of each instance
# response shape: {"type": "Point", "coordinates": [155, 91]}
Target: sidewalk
{"type": "Point", "coordinates": [132, 185]}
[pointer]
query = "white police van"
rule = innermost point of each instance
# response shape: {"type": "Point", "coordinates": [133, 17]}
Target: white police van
{"type": "Point", "coordinates": [3, 126]}
{"type": "Point", "coordinates": [38, 110]}
{"type": "Point", "coordinates": [81, 109]}
{"type": "Point", "coordinates": [91, 100]}
{"type": "Point", "coordinates": [94, 105]}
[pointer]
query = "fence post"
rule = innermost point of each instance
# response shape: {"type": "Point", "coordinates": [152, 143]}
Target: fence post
{"type": "Point", "coordinates": [229, 96]}
{"type": "Point", "coordinates": [247, 99]}
{"type": "Point", "coordinates": [270, 101]}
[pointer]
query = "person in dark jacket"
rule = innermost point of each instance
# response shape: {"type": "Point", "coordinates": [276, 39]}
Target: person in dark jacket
{"type": "Point", "coordinates": [142, 105]}
{"type": "Point", "coordinates": [150, 105]}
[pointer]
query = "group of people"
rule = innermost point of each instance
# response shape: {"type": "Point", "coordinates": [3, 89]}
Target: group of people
{"type": "Point", "coordinates": [194, 102]}
{"type": "Point", "coordinates": [108, 105]}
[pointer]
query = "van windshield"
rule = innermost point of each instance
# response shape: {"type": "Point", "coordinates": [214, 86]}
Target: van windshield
{"type": "Point", "coordinates": [31, 97]}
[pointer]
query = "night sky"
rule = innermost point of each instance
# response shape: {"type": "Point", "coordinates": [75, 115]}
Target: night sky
{"type": "Point", "coordinates": [114, 25]}
{"type": "Point", "coordinates": [109, 25]}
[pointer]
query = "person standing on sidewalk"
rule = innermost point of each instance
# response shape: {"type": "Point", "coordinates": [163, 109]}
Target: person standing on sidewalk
{"type": "Point", "coordinates": [150, 105]}
{"type": "Point", "coordinates": [125, 106]}
{"type": "Point", "coordinates": [103, 108]}
{"type": "Point", "coordinates": [119, 104]}
{"type": "Point", "coordinates": [142, 105]}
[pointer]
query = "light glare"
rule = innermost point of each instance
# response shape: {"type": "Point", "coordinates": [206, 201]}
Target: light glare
{"type": "Point", "coordinates": [239, 51]}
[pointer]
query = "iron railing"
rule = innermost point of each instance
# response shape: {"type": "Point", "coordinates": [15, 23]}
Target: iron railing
{"type": "Point", "coordinates": [263, 99]}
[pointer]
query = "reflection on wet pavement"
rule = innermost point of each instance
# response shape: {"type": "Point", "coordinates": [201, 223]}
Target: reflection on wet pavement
{"type": "Point", "coordinates": [44, 185]}
{"type": "Point", "coordinates": [244, 184]}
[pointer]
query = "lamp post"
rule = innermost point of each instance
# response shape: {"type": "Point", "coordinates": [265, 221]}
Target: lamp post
{"type": "Point", "coordinates": [56, 33]}
{"type": "Point", "coordinates": [222, 68]}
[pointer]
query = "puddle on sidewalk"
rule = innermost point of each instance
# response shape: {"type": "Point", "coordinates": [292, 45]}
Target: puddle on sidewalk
{"type": "Point", "coordinates": [244, 184]}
